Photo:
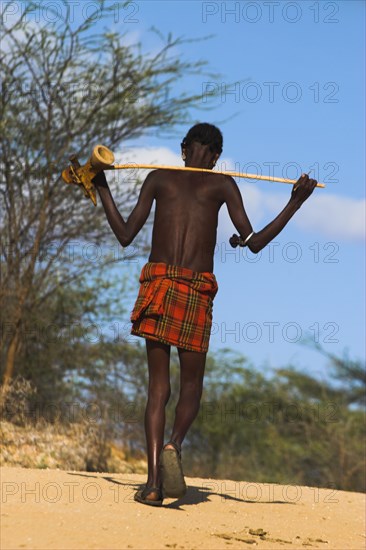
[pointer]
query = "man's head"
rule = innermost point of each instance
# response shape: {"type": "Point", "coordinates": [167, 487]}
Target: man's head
{"type": "Point", "coordinates": [208, 136]}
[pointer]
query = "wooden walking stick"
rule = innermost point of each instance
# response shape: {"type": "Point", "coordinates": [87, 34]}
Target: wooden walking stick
{"type": "Point", "coordinates": [102, 158]}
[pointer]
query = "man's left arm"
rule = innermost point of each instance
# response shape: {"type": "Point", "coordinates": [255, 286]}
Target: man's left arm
{"type": "Point", "coordinates": [126, 231]}
{"type": "Point", "coordinates": [256, 241]}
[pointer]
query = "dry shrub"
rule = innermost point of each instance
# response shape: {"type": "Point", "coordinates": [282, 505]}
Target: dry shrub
{"type": "Point", "coordinates": [16, 401]}
{"type": "Point", "coordinates": [30, 441]}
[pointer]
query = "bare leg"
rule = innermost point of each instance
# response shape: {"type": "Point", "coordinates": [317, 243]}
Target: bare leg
{"type": "Point", "coordinates": [158, 357]}
{"type": "Point", "coordinates": [192, 369]}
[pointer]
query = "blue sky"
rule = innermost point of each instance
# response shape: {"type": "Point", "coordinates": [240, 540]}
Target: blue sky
{"type": "Point", "coordinates": [292, 83]}
{"type": "Point", "coordinates": [296, 101]}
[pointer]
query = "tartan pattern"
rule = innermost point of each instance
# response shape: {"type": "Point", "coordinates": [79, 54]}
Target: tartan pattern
{"type": "Point", "coordinates": [174, 306]}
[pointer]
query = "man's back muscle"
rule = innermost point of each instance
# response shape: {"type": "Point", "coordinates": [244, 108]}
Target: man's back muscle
{"type": "Point", "coordinates": [186, 214]}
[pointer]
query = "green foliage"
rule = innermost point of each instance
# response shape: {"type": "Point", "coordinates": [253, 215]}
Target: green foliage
{"type": "Point", "coordinates": [290, 428]}
{"type": "Point", "coordinates": [65, 88]}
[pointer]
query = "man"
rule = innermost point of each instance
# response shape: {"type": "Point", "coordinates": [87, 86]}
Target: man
{"type": "Point", "coordinates": [174, 306]}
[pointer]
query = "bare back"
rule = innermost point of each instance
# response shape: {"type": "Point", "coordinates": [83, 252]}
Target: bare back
{"type": "Point", "coordinates": [186, 216]}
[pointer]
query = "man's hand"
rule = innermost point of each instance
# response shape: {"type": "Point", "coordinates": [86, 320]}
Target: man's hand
{"type": "Point", "coordinates": [236, 240]}
{"type": "Point", "coordinates": [303, 189]}
{"type": "Point", "coordinates": [100, 180]}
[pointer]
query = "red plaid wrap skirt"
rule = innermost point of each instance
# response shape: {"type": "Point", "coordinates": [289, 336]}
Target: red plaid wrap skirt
{"type": "Point", "coordinates": [174, 306]}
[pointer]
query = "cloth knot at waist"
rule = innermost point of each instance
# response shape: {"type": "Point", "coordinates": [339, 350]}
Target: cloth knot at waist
{"type": "Point", "coordinates": [157, 278]}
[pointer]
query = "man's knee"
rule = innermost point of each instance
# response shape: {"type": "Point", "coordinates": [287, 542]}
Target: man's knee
{"type": "Point", "coordinates": [160, 394]}
{"type": "Point", "coordinates": [192, 390]}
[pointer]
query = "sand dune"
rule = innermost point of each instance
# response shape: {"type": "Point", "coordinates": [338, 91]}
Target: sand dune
{"type": "Point", "coordinates": [54, 509]}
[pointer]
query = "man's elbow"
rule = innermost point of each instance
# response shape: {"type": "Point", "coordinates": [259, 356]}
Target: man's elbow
{"type": "Point", "coordinates": [124, 240]}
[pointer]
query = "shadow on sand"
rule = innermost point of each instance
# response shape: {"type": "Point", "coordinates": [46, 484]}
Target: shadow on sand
{"type": "Point", "coordinates": [194, 495]}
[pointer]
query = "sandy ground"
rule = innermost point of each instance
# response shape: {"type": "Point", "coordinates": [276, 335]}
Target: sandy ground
{"type": "Point", "coordinates": [56, 509]}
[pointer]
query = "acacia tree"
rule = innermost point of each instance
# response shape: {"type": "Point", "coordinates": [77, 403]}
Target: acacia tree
{"type": "Point", "coordinates": [66, 88]}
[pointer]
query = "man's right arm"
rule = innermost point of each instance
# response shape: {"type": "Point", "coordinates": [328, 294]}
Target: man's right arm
{"type": "Point", "coordinates": [301, 191]}
{"type": "Point", "coordinates": [126, 231]}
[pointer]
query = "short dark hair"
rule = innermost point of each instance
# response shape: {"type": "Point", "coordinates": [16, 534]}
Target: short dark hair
{"type": "Point", "coordinates": [206, 134]}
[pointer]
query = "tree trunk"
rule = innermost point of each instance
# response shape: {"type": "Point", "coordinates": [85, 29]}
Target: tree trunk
{"type": "Point", "coordinates": [10, 357]}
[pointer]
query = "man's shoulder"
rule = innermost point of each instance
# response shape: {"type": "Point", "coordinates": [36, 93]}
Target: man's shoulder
{"type": "Point", "coordinates": [153, 177]}
{"type": "Point", "coordinates": [164, 175]}
{"type": "Point", "coordinates": [224, 179]}
{"type": "Point", "coordinates": [157, 174]}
